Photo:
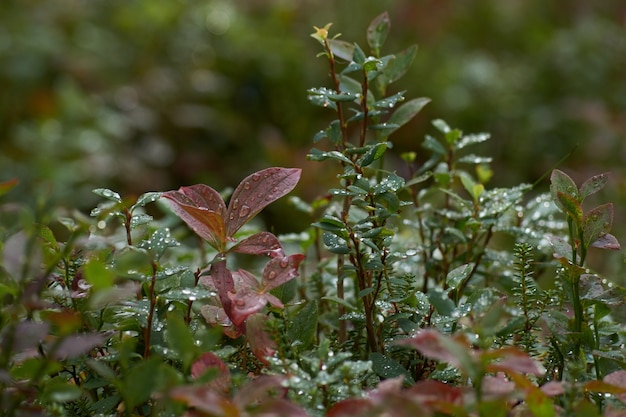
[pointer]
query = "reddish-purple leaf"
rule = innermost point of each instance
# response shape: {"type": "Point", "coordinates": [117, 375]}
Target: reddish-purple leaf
{"type": "Point", "coordinates": [78, 344]}
{"type": "Point", "coordinates": [263, 243]}
{"type": "Point", "coordinates": [260, 341]}
{"type": "Point", "coordinates": [593, 185]}
{"type": "Point", "coordinates": [279, 407]}
{"type": "Point", "coordinates": [553, 388]}
{"type": "Point", "coordinates": [617, 379]}
{"type": "Point", "coordinates": [257, 191]}
{"type": "Point", "coordinates": [203, 210]}
{"type": "Point", "coordinates": [246, 302]}
{"type": "Point", "coordinates": [205, 400]}
{"type": "Point", "coordinates": [259, 390]}
{"type": "Point", "coordinates": [350, 408]}
{"type": "Point", "coordinates": [280, 270]}
{"type": "Point", "coordinates": [207, 361]}
{"type": "Point", "coordinates": [571, 206]}
{"type": "Point", "coordinates": [606, 241]}
{"type": "Point", "coordinates": [224, 284]}
{"type": "Point", "coordinates": [437, 346]}
{"type": "Point", "coordinates": [521, 364]}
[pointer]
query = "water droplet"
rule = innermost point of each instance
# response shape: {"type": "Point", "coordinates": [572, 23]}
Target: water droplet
{"type": "Point", "coordinates": [246, 185]}
{"type": "Point", "coordinates": [275, 190]}
{"type": "Point", "coordinates": [256, 177]}
{"type": "Point", "coordinates": [284, 263]}
{"type": "Point", "coordinates": [271, 275]}
{"type": "Point", "coordinates": [266, 240]}
{"type": "Point", "coordinates": [235, 203]}
{"type": "Point", "coordinates": [239, 302]}
{"type": "Point", "coordinates": [245, 210]}
{"type": "Point", "coordinates": [232, 216]}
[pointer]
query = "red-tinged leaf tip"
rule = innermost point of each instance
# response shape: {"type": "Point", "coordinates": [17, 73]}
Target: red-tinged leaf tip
{"type": "Point", "coordinates": [257, 191]}
{"type": "Point", "coordinates": [606, 241]}
{"type": "Point", "coordinates": [350, 408]}
{"type": "Point", "coordinates": [517, 363]}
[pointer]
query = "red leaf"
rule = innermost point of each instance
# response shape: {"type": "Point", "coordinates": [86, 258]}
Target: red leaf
{"type": "Point", "coordinates": [205, 400]}
{"type": "Point", "coordinates": [260, 342]}
{"type": "Point", "coordinates": [350, 408]}
{"type": "Point", "coordinates": [606, 241]}
{"type": "Point", "coordinates": [224, 284]}
{"type": "Point", "coordinates": [246, 302]}
{"type": "Point", "coordinates": [208, 361]}
{"type": "Point", "coordinates": [431, 393]}
{"type": "Point", "coordinates": [280, 270]}
{"type": "Point", "coordinates": [617, 379]}
{"type": "Point", "coordinates": [257, 191]}
{"type": "Point", "coordinates": [203, 210]}
{"type": "Point", "coordinates": [260, 390]}
{"type": "Point", "coordinates": [437, 346]}
{"type": "Point", "coordinates": [263, 243]}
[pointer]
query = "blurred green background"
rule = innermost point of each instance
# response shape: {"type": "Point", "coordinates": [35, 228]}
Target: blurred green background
{"type": "Point", "coordinates": [143, 95]}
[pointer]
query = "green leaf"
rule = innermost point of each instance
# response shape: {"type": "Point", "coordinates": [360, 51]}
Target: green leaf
{"type": "Point", "coordinates": [593, 185]}
{"type": "Point", "coordinates": [98, 275]}
{"type": "Point", "coordinates": [373, 153]}
{"type": "Point", "coordinates": [141, 381]}
{"type": "Point", "coordinates": [441, 301]}
{"type": "Point", "coordinates": [407, 111]}
{"type": "Point", "coordinates": [160, 240]}
{"type": "Point", "coordinates": [386, 367]}
{"type": "Point", "coordinates": [59, 390]}
{"type": "Point", "coordinates": [399, 66]}
{"type": "Point", "coordinates": [342, 49]}
{"type": "Point", "coordinates": [317, 155]}
{"type": "Point", "coordinates": [391, 183]}
{"type": "Point", "coordinates": [571, 206]}
{"type": "Point", "coordinates": [596, 223]}
{"type": "Point", "coordinates": [335, 245]}
{"type": "Point", "coordinates": [433, 145]}
{"type": "Point", "coordinates": [303, 326]}
{"type": "Point", "coordinates": [180, 340]}
{"type": "Point", "coordinates": [377, 31]}
{"type": "Point", "coordinates": [560, 182]}
{"type": "Point", "coordinates": [391, 101]}
{"type": "Point", "coordinates": [108, 194]}
{"type": "Point", "coordinates": [471, 139]}
{"type": "Point", "coordinates": [338, 300]}
{"type": "Point", "coordinates": [458, 275]}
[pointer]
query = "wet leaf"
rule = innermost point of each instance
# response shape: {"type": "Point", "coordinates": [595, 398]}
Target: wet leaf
{"type": "Point", "coordinates": [342, 49]}
{"type": "Point", "coordinates": [458, 275]}
{"type": "Point", "coordinates": [406, 112]}
{"type": "Point", "coordinates": [146, 198]}
{"type": "Point", "coordinates": [571, 206]}
{"type": "Point", "coordinates": [259, 340]}
{"type": "Point", "coordinates": [560, 182]}
{"type": "Point", "coordinates": [593, 185]}
{"type": "Point", "coordinates": [223, 282]}
{"type": "Point", "coordinates": [373, 153]}
{"type": "Point", "coordinates": [280, 270]}
{"type": "Point", "coordinates": [596, 223]}
{"type": "Point", "coordinates": [386, 367]}
{"type": "Point", "coordinates": [180, 340]}
{"type": "Point", "coordinates": [606, 241]}
{"type": "Point", "coordinates": [108, 194]}
{"type": "Point", "coordinates": [203, 210]}
{"type": "Point", "coordinates": [303, 326]}
{"type": "Point", "coordinates": [262, 243]}
{"type": "Point", "coordinates": [209, 361]}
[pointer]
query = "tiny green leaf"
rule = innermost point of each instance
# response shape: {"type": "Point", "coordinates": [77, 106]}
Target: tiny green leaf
{"type": "Point", "coordinates": [377, 32]}
{"type": "Point", "coordinates": [560, 182]}
{"type": "Point", "coordinates": [108, 194]}
{"type": "Point", "coordinates": [458, 275]}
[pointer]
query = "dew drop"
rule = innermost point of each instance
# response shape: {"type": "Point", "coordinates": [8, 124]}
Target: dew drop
{"type": "Point", "coordinates": [256, 177]}
{"type": "Point", "coordinates": [232, 216]}
{"type": "Point", "coordinates": [271, 275]}
{"type": "Point", "coordinates": [284, 263]}
{"type": "Point", "coordinates": [245, 210]}
{"type": "Point", "coordinates": [246, 185]}
{"type": "Point", "coordinates": [239, 302]}
{"type": "Point", "coordinates": [275, 190]}
{"type": "Point", "coordinates": [235, 204]}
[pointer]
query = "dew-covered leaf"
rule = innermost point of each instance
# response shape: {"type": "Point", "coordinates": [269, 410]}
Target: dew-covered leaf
{"type": "Point", "coordinates": [458, 275]}
{"type": "Point", "coordinates": [209, 361]}
{"type": "Point", "coordinates": [386, 367]}
{"type": "Point", "coordinates": [562, 249]}
{"type": "Point", "coordinates": [257, 191]}
{"type": "Point", "coordinates": [606, 241]}
{"type": "Point", "coordinates": [471, 139]}
{"type": "Point", "coordinates": [280, 270]}
{"type": "Point", "coordinates": [373, 153]}
{"type": "Point", "coordinates": [597, 222]}
{"type": "Point", "coordinates": [560, 182]}
{"type": "Point", "coordinates": [593, 185]}
{"type": "Point", "coordinates": [571, 206]}
{"type": "Point", "coordinates": [223, 282]}
{"type": "Point", "coordinates": [158, 242]}
{"type": "Point", "coordinates": [203, 210]}
{"type": "Point", "coordinates": [262, 243]}
{"type": "Point", "coordinates": [146, 198]}
{"type": "Point", "coordinates": [303, 326]}
{"type": "Point", "coordinates": [108, 194]}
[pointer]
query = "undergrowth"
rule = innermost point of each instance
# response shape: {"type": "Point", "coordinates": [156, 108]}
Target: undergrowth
{"type": "Point", "coordinates": [417, 290]}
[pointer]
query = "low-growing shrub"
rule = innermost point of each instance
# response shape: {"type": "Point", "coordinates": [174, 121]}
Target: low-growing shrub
{"type": "Point", "coordinates": [417, 290]}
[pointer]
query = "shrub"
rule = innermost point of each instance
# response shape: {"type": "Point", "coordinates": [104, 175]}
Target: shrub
{"type": "Point", "coordinates": [423, 292]}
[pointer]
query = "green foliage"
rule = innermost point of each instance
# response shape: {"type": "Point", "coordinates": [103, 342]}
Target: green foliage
{"type": "Point", "coordinates": [424, 291]}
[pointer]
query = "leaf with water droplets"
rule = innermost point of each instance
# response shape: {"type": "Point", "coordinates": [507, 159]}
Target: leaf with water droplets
{"type": "Point", "coordinates": [262, 243]}
{"type": "Point", "coordinates": [108, 194]}
{"type": "Point", "coordinates": [571, 206]}
{"type": "Point", "coordinates": [246, 302]}
{"type": "Point", "coordinates": [386, 367]}
{"type": "Point", "coordinates": [593, 185]}
{"type": "Point", "coordinates": [596, 223]}
{"type": "Point", "coordinates": [158, 242]}
{"type": "Point", "coordinates": [458, 275]}
{"type": "Point", "coordinates": [257, 191]}
{"type": "Point", "coordinates": [223, 282]}
{"type": "Point", "coordinates": [146, 198]}
{"type": "Point", "coordinates": [280, 270]}
{"type": "Point", "coordinates": [203, 210]}
{"type": "Point", "coordinates": [373, 153]}
{"type": "Point", "coordinates": [406, 112]}
{"type": "Point", "coordinates": [560, 182]}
